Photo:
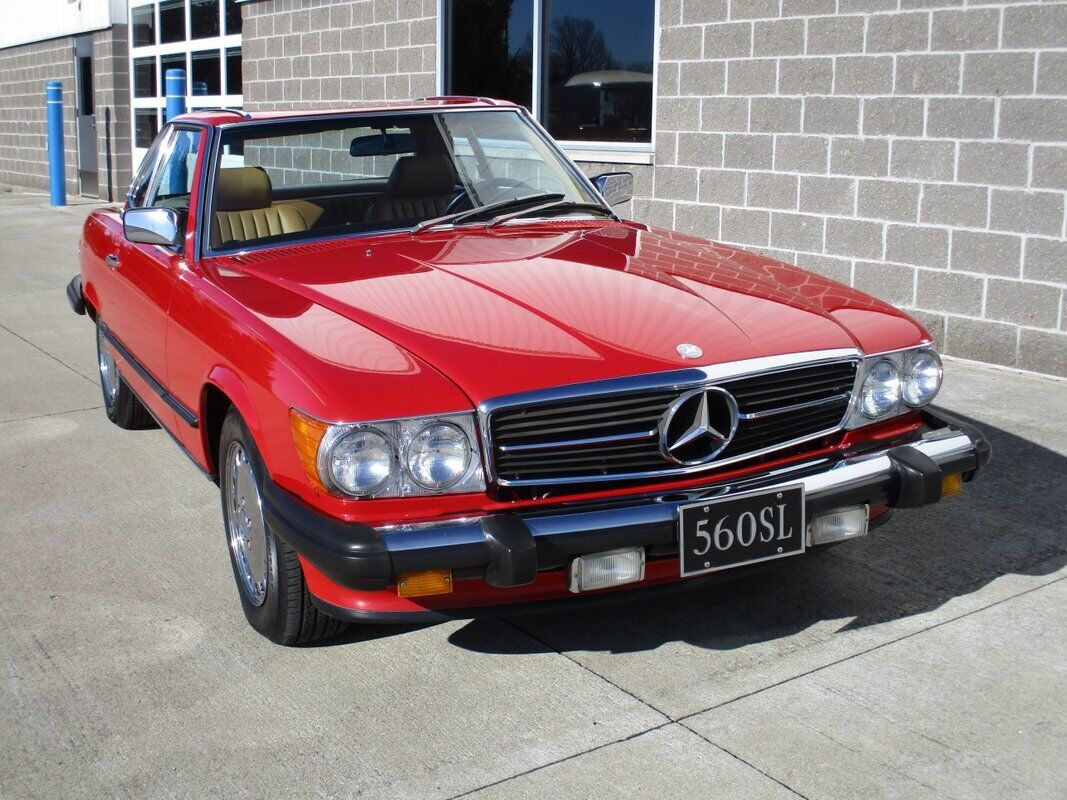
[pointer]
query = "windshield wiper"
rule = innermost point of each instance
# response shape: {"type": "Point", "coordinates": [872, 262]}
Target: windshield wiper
{"type": "Point", "coordinates": [491, 208]}
{"type": "Point", "coordinates": [556, 205]}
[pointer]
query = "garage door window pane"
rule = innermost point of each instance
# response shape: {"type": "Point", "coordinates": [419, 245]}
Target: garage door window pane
{"type": "Point", "coordinates": [204, 18]}
{"type": "Point", "coordinates": [144, 26]}
{"type": "Point", "coordinates": [491, 49]}
{"type": "Point", "coordinates": [145, 126]}
{"type": "Point", "coordinates": [172, 21]}
{"type": "Point", "coordinates": [233, 70]}
{"type": "Point", "coordinates": [599, 70]}
{"type": "Point", "coordinates": [144, 77]}
{"type": "Point", "coordinates": [207, 71]}
{"type": "Point", "coordinates": [233, 17]}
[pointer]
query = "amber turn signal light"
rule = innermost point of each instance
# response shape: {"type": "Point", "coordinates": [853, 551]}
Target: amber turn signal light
{"type": "Point", "coordinates": [307, 435]}
{"type": "Point", "coordinates": [420, 584]}
{"type": "Point", "coordinates": [951, 485]}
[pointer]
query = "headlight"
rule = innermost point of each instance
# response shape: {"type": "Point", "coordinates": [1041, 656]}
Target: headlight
{"type": "Point", "coordinates": [391, 458]}
{"type": "Point", "coordinates": [880, 392]}
{"type": "Point", "coordinates": [922, 377]}
{"type": "Point", "coordinates": [438, 455]}
{"type": "Point", "coordinates": [894, 383]}
{"type": "Point", "coordinates": [360, 462]}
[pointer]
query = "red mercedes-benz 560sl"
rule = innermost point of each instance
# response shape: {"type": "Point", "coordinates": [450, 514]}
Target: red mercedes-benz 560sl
{"type": "Point", "coordinates": [433, 373]}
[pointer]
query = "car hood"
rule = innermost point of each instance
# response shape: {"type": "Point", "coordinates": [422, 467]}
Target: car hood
{"type": "Point", "coordinates": [510, 309]}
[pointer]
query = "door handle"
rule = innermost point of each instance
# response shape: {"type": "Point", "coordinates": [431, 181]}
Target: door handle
{"type": "Point", "coordinates": [112, 260]}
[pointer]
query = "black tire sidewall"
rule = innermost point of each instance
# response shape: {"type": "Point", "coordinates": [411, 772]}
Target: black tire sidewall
{"type": "Point", "coordinates": [269, 618]}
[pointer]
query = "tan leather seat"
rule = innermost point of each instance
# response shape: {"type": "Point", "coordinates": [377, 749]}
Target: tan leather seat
{"type": "Point", "coordinates": [244, 211]}
{"type": "Point", "coordinates": [419, 187]}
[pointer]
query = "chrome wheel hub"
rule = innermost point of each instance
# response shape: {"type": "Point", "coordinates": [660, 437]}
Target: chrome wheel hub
{"type": "Point", "coordinates": [245, 526]}
{"type": "Point", "coordinates": [109, 370]}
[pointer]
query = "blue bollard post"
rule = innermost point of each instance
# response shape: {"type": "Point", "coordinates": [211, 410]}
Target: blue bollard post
{"type": "Point", "coordinates": [175, 89]}
{"type": "Point", "coordinates": [199, 88]}
{"type": "Point", "coordinates": [57, 178]}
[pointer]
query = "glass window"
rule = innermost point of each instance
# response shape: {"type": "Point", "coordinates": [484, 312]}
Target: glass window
{"type": "Point", "coordinates": [174, 179]}
{"type": "Point", "coordinates": [233, 70]}
{"type": "Point", "coordinates": [204, 18]}
{"type": "Point", "coordinates": [144, 77]}
{"type": "Point", "coordinates": [173, 61]}
{"type": "Point", "coordinates": [599, 71]}
{"type": "Point", "coordinates": [144, 25]}
{"type": "Point", "coordinates": [491, 49]}
{"type": "Point", "coordinates": [233, 17]}
{"type": "Point", "coordinates": [145, 126]}
{"type": "Point", "coordinates": [172, 21]}
{"type": "Point", "coordinates": [374, 172]}
{"type": "Point", "coordinates": [207, 72]}
{"type": "Point", "coordinates": [85, 85]}
{"type": "Point", "coordinates": [595, 81]}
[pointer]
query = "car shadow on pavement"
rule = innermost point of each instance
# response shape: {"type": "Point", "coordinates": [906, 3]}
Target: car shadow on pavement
{"type": "Point", "coordinates": [1010, 520]}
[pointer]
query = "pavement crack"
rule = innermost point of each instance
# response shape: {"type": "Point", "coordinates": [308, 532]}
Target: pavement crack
{"type": "Point", "coordinates": [50, 414]}
{"type": "Point", "coordinates": [42, 350]}
{"type": "Point", "coordinates": [748, 764]}
{"type": "Point", "coordinates": [879, 646]}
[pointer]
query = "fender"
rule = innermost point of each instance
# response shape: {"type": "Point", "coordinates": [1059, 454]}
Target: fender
{"type": "Point", "coordinates": [229, 383]}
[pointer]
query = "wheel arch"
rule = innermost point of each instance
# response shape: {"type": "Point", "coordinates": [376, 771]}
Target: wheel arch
{"type": "Point", "coordinates": [223, 389]}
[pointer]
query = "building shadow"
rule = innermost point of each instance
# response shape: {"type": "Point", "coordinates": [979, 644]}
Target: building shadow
{"type": "Point", "coordinates": [1010, 520]}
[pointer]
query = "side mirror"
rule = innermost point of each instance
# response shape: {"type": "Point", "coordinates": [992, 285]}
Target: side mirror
{"type": "Point", "coordinates": [615, 187]}
{"type": "Point", "coordinates": [153, 226]}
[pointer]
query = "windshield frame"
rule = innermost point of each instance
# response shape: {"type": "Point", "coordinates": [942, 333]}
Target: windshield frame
{"type": "Point", "coordinates": [207, 208]}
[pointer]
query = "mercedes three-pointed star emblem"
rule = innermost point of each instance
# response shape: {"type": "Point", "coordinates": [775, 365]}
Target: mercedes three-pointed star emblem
{"type": "Point", "coordinates": [698, 426]}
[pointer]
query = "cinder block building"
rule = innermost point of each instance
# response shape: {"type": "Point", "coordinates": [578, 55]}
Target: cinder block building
{"type": "Point", "coordinates": [916, 149]}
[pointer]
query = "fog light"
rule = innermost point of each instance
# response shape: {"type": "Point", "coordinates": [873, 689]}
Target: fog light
{"type": "Point", "coordinates": [836, 526]}
{"type": "Point", "coordinates": [420, 584]}
{"type": "Point", "coordinates": [951, 485]}
{"type": "Point", "coordinates": [601, 570]}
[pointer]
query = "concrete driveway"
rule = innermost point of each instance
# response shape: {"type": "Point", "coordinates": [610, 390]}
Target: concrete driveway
{"type": "Point", "coordinates": [929, 660]}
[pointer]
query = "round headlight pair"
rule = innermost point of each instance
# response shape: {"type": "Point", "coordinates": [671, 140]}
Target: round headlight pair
{"type": "Point", "coordinates": [884, 386]}
{"type": "Point", "coordinates": [362, 461]}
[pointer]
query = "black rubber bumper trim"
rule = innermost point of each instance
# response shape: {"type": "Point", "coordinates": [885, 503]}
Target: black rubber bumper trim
{"type": "Point", "coordinates": [187, 415]}
{"type": "Point", "coordinates": [507, 554]}
{"type": "Point", "coordinates": [75, 296]}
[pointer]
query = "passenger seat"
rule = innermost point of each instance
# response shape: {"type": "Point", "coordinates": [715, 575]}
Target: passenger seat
{"type": "Point", "coordinates": [419, 187]}
{"type": "Point", "coordinates": [244, 211]}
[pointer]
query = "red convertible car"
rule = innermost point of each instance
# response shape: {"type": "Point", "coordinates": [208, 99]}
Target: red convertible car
{"type": "Point", "coordinates": [434, 374]}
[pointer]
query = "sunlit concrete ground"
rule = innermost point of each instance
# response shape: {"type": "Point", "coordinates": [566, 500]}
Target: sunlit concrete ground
{"type": "Point", "coordinates": [929, 660]}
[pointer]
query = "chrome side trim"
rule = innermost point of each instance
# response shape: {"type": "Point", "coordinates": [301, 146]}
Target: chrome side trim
{"type": "Point", "coordinates": [679, 380]}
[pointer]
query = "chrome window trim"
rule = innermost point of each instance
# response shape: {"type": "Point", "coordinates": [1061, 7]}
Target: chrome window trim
{"type": "Point", "coordinates": [680, 380]}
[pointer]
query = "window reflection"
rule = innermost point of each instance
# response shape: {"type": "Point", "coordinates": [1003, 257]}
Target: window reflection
{"type": "Point", "coordinates": [204, 18]}
{"type": "Point", "coordinates": [207, 72]}
{"type": "Point", "coordinates": [144, 77]}
{"type": "Point", "coordinates": [145, 126]}
{"type": "Point", "coordinates": [599, 70]}
{"type": "Point", "coordinates": [144, 26]}
{"type": "Point", "coordinates": [491, 49]}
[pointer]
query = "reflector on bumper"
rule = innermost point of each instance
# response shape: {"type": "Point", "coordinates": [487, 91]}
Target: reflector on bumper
{"type": "Point", "coordinates": [603, 570]}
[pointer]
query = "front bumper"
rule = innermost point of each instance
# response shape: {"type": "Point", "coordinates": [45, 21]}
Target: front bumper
{"type": "Point", "coordinates": [509, 550]}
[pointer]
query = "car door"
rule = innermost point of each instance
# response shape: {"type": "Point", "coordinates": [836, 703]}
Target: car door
{"type": "Point", "coordinates": [139, 297]}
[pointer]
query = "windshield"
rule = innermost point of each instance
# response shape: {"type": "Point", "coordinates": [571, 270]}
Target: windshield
{"type": "Point", "coordinates": [290, 180]}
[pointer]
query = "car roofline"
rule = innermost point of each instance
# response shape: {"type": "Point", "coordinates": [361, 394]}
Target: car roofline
{"type": "Point", "coordinates": [225, 117]}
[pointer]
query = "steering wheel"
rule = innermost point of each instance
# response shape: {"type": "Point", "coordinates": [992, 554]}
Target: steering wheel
{"type": "Point", "coordinates": [488, 191]}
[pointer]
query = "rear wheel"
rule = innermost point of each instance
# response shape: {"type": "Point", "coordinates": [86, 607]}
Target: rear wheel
{"type": "Point", "coordinates": [120, 403]}
{"type": "Point", "coordinates": [270, 580]}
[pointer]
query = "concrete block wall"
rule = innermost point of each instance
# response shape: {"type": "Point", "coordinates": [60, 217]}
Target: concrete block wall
{"type": "Point", "coordinates": [316, 53]}
{"type": "Point", "coordinates": [916, 149]}
{"type": "Point", "coordinates": [24, 70]}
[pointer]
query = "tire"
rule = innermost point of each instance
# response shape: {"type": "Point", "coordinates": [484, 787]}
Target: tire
{"type": "Point", "coordinates": [121, 405]}
{"type": "Point", "coordinates": [270, 581]}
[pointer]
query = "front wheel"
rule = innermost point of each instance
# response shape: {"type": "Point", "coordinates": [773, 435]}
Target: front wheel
{"type": "Point", "coordinates": [270, 580]}
{"type": "Point", "coordinates": [121, 405]}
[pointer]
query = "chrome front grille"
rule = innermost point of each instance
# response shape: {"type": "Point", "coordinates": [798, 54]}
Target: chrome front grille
{"type": "Point", "coordinates": [611, 430]}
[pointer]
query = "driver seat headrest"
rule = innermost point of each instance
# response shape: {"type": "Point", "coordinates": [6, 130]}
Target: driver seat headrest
{"type": "Point", "coordinates": [242, 189]}
{"type": "Point", "coordinates": [422, 176]}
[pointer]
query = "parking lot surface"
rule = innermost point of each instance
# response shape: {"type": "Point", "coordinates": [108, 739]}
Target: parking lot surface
{"type": "Point", "coordinates": [928, 660]}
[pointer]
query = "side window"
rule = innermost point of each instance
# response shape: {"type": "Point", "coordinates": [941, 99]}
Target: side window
{"type": "Point", "coordinates": [173, 178]}
{"type": "Point", "coordinates": [139, 187]}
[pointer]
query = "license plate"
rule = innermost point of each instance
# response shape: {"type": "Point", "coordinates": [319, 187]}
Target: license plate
{"type": "Point", "coordinates": [741, 529]}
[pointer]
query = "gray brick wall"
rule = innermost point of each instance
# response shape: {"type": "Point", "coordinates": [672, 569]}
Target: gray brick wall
{"type": "Point", "coordinates": [23, 129]}
{"type": "Point", "coordinates": [916, 149]}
